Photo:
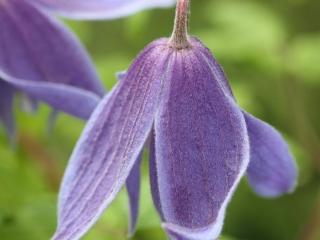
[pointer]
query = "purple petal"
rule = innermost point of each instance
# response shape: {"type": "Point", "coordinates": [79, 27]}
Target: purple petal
{"type": "Point", "coordinates": [181, 233]}
{"type": "Point", "coordinates": [154, 176]}
{"type": "Point", "coordinates": [6, 114]}
{"type": "Point", "coordinates": [202, 147]}
{"type": "Point", "coordinates": [59, 96]}
{"type": "Point", "coordinates": [133, 189]}
{"type": "Point", "coordinates": [39, 49]}
{"type": "Point", "coordinates": [272, 170]}
{"type": "Point", "coordinates": [110, 145]}
{"type": "Point", "coordinates": [101, 9]}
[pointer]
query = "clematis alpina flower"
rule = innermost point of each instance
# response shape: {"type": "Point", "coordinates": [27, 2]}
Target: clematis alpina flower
{"type": "Point", "coordinates": [40, 57]}
{"type": "Point", "coordinates": [176, 95]}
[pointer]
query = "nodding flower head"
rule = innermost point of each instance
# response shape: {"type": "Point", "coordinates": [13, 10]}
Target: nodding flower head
{"type": "Point", "coordinates": [43, 59]}
{"type": "Point", "coordinates": [174, 100]}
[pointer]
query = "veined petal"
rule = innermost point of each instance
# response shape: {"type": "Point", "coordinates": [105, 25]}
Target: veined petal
{"type": "Point", "coordinates": [37, 48]}
{"type": "Point", "coordinates": [133, 189]}
{"type": "Point", "coordinates": [101, 9]}
{"type": "Point", "coordinates": [201, 147]}
{"type": "Point", "coordinates": [272, 170]}
{"type": "Point", "coordinates": [6, 114]}
{"type": "Point", "coordinates": [59, 96]}
{"type": "Point", "coordinates": [110, 145]}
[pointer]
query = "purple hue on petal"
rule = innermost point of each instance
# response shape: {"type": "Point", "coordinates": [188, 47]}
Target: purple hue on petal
{"type": "Point", "coordinates": [272, 170]}
{"type": "Point", "coordinates": [154, 175]}
{"type": "Point", "coordinates": [180, 233]}
{"type": "Point", "coordinates": [59, 96]}
{"type": "Point", "coordinates": [201, 145]}
{"type": "Point", "coordinates": [37, 48]}
{"type": "Point", "coordinates": [6, 114]}
{"type": "Point", "coordinates": [110, 144]}
{"type": "Point", "coordinates": [133, 189]}
{"type": "Point", "coordinates": [100, 9]}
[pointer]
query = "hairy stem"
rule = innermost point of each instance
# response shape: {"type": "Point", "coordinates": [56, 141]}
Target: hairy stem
{"type": "Point", "coordinates": [179, 38]}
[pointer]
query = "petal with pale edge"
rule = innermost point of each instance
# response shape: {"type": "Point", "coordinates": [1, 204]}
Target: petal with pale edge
{"type": "Point", "coordinates": [272, 170]}
{"type": "Point", "coordinates": [59, 96]}
{"type": "Point", "coordinates": [133, 189]}
{"type": "Point", "coordinates": [6, 114]}
{"type": "Point", "coordinates": [110, 145]}
{"type": "Point", "coordinates": [101, 9]}
{"type": "Point", "coordinates": [37, 48]}
{"type": "Point", "coordinates": [201, 148]}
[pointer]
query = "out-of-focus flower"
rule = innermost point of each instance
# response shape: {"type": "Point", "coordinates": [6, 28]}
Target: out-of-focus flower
{"type": "Point", "coordinates": [43, 59]}
{"type": "Point", "coordinates": [101, 9]}
{"type": "Point", "coordinates": [175, 94]}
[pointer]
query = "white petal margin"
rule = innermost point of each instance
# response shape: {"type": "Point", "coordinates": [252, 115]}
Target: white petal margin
{"type": "Point", "coordinates": [101, 9]}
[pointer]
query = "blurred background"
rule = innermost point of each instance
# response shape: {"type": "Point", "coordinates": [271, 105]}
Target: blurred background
{"type": "Point", "coordinates": [270, 51]}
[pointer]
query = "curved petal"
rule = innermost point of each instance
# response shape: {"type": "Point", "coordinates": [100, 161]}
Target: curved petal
{"type": "Point", "coordinates": [181, 233]}
{"type": "Point", "coordinates": [133, 189]}
{"type": "Point", "coordinates": [101, 9]}
{"type": "Point", "coordinates": [272, 170]}
{"type": "Point", "coordinates": [109, 146]}
{"type": "Point", "coordinates": [6, 114]}
{"type": "Point", "coordinates": [39, 49]}
{"type": "Point", "coordinates": [202, 147]}
{"type": "Point", "coordinates": [59, 96]}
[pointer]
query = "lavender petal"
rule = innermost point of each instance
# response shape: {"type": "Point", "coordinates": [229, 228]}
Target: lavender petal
{"type": "Point", "coordinates": [100, 9]}
{"type": "Point", "coordinates": [201, 147]}
{"type": "Point", "coordinates": [59, 96]}
{"type": "Point", "coordinates": [39, 49]}
{"type": "Point", "coordinates": [133, 189]}
{"type": "Point", "coordinates": [109, 146]}
{"type": "Point", "coordinates": [272, 170]}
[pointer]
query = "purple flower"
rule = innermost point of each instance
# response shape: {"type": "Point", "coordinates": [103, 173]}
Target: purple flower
{"type": "Point", "coordinates": [101, 9]}
{"type": "Point", "coordinates": [176, 95]}
{"type": "Point", "coordinates": [43, 59]}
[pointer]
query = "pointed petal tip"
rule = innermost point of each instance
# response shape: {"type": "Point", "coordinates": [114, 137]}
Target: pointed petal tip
{"type": "Point", "coordinates": [275, 191]}
{"type": "Point", "coordinates": [272, 170]}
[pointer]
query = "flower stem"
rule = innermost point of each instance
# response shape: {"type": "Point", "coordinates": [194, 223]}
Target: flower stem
{"type": "Point", "coordinates": [179, 38]}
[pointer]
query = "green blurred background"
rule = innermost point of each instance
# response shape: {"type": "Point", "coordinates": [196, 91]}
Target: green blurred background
{"type": "Point", "coordinates": [270, 51]}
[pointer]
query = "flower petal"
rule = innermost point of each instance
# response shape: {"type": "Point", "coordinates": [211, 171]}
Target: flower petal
{"type": "Point", "coordinates": [101, 9]}
{"type": "Point", "coordinates": [59, 96]}
{"type": "Point", "coordinates": [181, 233]}
{"type": "Point", "coordinates": [133, 189]}
{"type": "Point", "coordinates": [272, 170]}
{"type": "Point", "coordinates": [153, 172]}
{"type": "Point", "coordinates": [39, 49]}
{"type": "Point", "coordinates": [6, 114]}
{"type": "Point", "coordinates": [202, 147]}
{"type": "Point", "coordinates": [109, 146]}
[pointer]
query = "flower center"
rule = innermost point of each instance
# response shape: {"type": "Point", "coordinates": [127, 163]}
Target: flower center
{"type": "Point", "coordinates": [179, 38]}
